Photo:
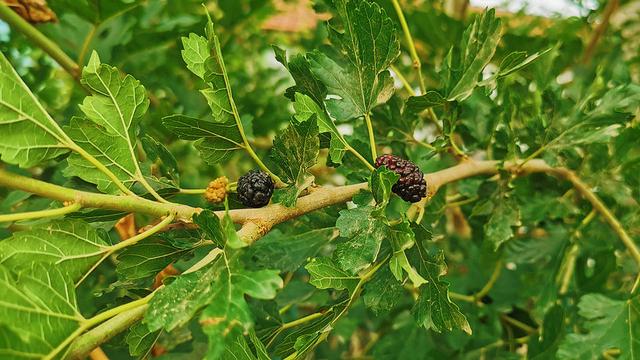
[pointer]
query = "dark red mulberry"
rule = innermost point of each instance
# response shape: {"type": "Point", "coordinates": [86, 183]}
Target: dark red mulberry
{"type": "Point", "coordinates": [255, 188]}
{"type": "Point", "coordinates": [411, 186]}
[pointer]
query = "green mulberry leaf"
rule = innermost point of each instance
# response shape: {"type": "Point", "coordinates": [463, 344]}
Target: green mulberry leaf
{"type": "Point", "coordinates": [359, 77]}
{"type": "Point", "coordinates": [325, 274]}
{"type": "Point", "coordinates": [38, 311]}
{"type": "Point", "coordinates": [610, 324]}
{"type": "Point", "coordinates": [294, 151]}
{"type": "Point", "coordinates": [434, 309]}
{"type": "Point", "coordinates": [140, 263]}
{"type": "Point", "coordinates": [307, 84]}
{"type": "Point", "coordinates": [306, 108]}
{"type": "Point", "coordinates": [505, 215]}
{"type": "Point", "coordinates": [108, 133]}
{"type": "Point", "coordinates": [216, 141]}
{"type": "Point", "coordinates": [383, 292]}
{"type": "Point", "coordinates": [477, 47]}
{"type": "Point", "coordinates": [363, 232]}
{"type": "Point", "coordinates": [71, 246]}
{"type": "Point", "coordinates": [195, 52]}
{"type": "Point", "coordinates": [141, 340]}
{"type": "Point", "coordinates": [228, 314]}
{"type": "Point", "coordinates": [29, 134]}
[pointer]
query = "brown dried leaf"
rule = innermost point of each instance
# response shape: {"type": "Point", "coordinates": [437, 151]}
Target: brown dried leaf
{"type": "Point", "coordinates": [34, 11]}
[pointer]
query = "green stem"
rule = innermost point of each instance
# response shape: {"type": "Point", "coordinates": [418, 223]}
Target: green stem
{"type": "Point", "coordinates": [434, 118]}
{"type": "Point", "coordinates": [403, 80]}
{"type": "Point", "coordinates": [636, 283]}
{"type": "Point", "coordinates": [475, 298]}
{"type": "Point", "coordinates": [64, 343]}
{"type": "Point", "coordinates": [519, 324]}
{"type": "Point", "coordinates": [412, 48]}
{"type": "Point", "coordinates": [192, 191]}
{"type": "Point", "coordinates": [153, 230]}
{"type": "Point", "coordinates": [103, 316]}
{"type": "Point", "coordinates": [572, 254]}
{"type": "Point", "coordinates": [86, 43]}
{"type": "Point", "coordinates": [461, 297]}
{"type": "Point", "coordinates": [236, 116]}
{"type": "Point", "coordinates": [462, 202]}
{"type": "Point", "coordinates": [40, 214]}
{"type": "Point", "coordinates": [534, 155]}
{"type": "Point", "coordinates": [94, 200]}
{"type": "Point", "coordinates": [360, 157]}
{"type": "Point", "coordinates": [601, 208]}
{"type": "Point", "coordinates": [300, 321]}
{"type": "Point", "coordinates": [89, 323]}
{"type": "Point", "coordinates": [492, 280]}
{"type": "Point", "coordinates": [364, 278]}
{"type": "Point", "coordinates": [372, 140]}
{"type": "Point", "coordinates": [107, 251]}
{"type": "Point", "coordinates": [422, 143]}
{"type": "Point", "coordinates": [569, 268]}
{"type": "Point", "coordinates": [15, 21]}
{"type": "Point", "coordinates": [85, 343]}
{"type": "Point", "coordinates": [232, 186]}
{"type": "Point", "coordinates": [454, 146]}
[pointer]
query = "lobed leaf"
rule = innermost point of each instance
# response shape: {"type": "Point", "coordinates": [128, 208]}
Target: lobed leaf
{"type": "Point", "coordinates": [383, 292]}
{"type": "Point", "coordinates": [504, 216]}
{"type": "Point", "coordinates": [326, 274]}
{"type": "Point", "coordinates": [359, 77]}
{"type": "Point", "coordinates": [108, 133]}
{"type": "Point", "coordinates": [434, 309]}
{"type": "Point", "coordinates": [306, 108]}
{"type": "Point", "coordinates": [464, 65]}
{"type": "Point", "coordinates": [307, 83]}
{"type": "Point", "coordinates": [294, 151]}
{"type": "Point", "coordinates": [363, 232]}
{"type": "Point", "coordinates": [610, 324]}
{"type": "Point", "coordinates": [216, 141]}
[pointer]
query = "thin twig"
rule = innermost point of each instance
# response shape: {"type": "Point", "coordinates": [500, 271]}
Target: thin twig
{"type": "Point", "coordinates": [41, 213]}
{"type": "Point", "coordinates": [85, 44]}
{"type": "Point", "coordinates": [492, 280]}
{"type": "Point", "coordinates": [52, 49]}
{"type": "Point", "coordinates": [98, 319]}
{"type": "Point", "coordinates": [85, 343]}
{"type": "Point", "coordinates": [412, 48]}
{"type": "Point", "coordinates": [610, 8]}
{"type": "Point", "coordinates": [403, 80]}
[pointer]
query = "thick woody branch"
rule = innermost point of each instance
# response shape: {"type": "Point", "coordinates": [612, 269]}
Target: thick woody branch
{"type": "Point", "coordinates": [257, 222]}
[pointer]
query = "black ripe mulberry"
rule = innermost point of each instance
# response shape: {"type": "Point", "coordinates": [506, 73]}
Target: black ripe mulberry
{"type": "Point", "coordinates": [255, 188]}
{"type": "Point", "coordinates": [411, 186]}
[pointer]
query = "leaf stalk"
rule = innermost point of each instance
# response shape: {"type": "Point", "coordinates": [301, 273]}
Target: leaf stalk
{"type": "Point", "coordinates": [40, 213]}
{"type": "Point", "coordinates": [412, 48]}
{"type": "Point", "coordinates": [372, 140]}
